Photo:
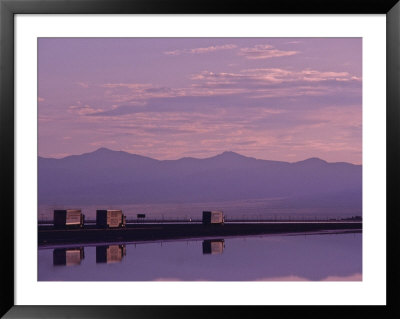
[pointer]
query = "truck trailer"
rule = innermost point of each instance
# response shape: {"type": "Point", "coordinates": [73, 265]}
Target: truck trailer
{"type": "Point", "coordinates": [110, 218]}
{"type": "Point", "coordinates": [213, 217]}
{"type": "Point", "coordinates": [68, 218]}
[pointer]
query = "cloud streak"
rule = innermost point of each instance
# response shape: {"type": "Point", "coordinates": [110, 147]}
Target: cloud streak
{"type": "Point", "coordinates": [83, 109]}
{"type": "Point", "coordinates": [248, 85]}
{"type": "Point", "coordinates": [201, 50]}
{"type": "Point", "coordinates": [264, 51]}
{"type": "Point", "coordinates": [83, 85]}
{"type": "Point", "coordinates": [274, 75]}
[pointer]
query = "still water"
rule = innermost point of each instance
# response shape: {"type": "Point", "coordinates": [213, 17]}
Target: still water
{"type": "Point", "coordinates": [314, 257]}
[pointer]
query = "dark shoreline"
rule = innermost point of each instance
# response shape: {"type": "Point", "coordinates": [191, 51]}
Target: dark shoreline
{"type": "Point", "coordinates": [145, 232]}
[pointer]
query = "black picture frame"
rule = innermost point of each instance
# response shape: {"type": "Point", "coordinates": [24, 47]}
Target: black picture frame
{"type": "Point", "coordinates": [8, 10]}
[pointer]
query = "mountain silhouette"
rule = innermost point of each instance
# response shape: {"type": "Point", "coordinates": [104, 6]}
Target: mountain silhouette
{"type": "Point", "coordinates": [115, 177]}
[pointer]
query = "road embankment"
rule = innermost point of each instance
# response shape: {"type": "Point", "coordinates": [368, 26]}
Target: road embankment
{"type": "Point", "coordinates": [145, 232]}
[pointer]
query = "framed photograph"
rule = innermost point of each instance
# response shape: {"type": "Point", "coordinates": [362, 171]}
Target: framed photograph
{"type": "Point", "coordinates": [164, 158]}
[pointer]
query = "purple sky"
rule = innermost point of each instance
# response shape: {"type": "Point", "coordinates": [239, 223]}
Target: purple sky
{"type": "Point", "coordinates": [271, 98]}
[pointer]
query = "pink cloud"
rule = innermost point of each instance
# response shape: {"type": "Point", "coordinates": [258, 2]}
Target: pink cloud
{"type": "Point", "coordinates": [83, 84]}
{"type": "Point", "coordinates": [83, 109]}
{"type": "Point", "coordinates": [46, 118]}
{"type": "Point", "coordinates": [282, 75]}
{"type": "Point", "coordinates": [294, 42]}
{"type": "Point", "coordinates": [264, 51]}
{"type": "Point", "coordinates": [202, 50]}
{"type": "Point", "coordinates": [262, 82]}
{"type": "Point", "coordinates": [58, 155]}
{"type": "Point", "coordinates": [103, 142]}
{"type": "Point", "coordinates": [136, 86]}
{"type": "Point", "coordinates": [256, 81]}
{"type": "Point", "coordinates": [273, 75]}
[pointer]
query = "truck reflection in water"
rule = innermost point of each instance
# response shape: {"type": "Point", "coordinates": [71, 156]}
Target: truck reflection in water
{"type": "Point", "coordinates": [68, 256]}
{"type": "Point", "coordinates": [110, 253]}
{"type": "Point", "coordinates": [213, 246]}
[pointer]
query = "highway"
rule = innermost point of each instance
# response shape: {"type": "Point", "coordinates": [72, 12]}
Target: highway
{"type": "Point", "coordinates": [165, 231]}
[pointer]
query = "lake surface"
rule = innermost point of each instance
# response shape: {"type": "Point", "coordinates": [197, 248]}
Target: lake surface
{"type": "Point", "coordinates": [284, 257]}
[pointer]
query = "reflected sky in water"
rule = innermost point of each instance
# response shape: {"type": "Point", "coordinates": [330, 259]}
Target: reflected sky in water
{"type": "Point", "coordinates": [312, 257]}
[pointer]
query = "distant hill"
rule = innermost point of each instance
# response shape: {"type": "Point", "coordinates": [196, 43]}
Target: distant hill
{"type": "Point", "coordinates": [114, 177]}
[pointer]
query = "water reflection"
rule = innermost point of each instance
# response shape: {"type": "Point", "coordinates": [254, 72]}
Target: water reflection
{"type": "Point", "coordinates": [115, 253]}
{"type": "Point", "coordinates": [213, 246]}
{"type": "Point", "coordinates": [68, 256]}
{"type": "Point", "coordinates": [332, 257]}
{"type": "Point", "coordinates": [110, 253]}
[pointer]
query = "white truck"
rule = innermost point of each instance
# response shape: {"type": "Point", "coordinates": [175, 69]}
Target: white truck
{"type": "Point", "coordinates": [213, 217]}
{"type": "Point", "coordinates": [110, 218]}
{"type": "Point", "coordinates": [68, 218]}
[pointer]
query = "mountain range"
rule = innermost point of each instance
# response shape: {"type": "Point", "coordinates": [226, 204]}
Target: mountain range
{"type": "Point", "coordinates": [115, 177]}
